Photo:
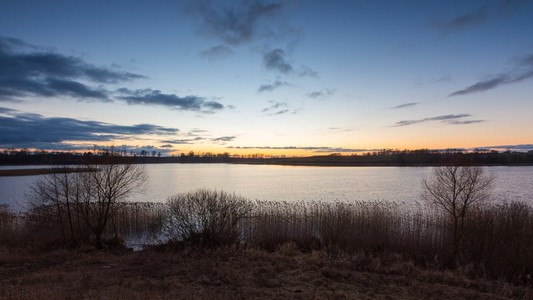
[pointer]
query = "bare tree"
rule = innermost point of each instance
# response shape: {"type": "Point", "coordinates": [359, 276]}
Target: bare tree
{"type": "Point", "coordinates": [457, 190]}
{"type": "Point", "coordinates": [104, 185]}
{"type": "Point", "coordinates": [56, 195]}
{"type": "Point", "coordinates": [86, 200]}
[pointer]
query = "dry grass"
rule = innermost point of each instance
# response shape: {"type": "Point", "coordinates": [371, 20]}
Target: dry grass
{"type": "Point", "coordinates": [231, 273]}
{"type": "Point", "coordinates": [498, 240]}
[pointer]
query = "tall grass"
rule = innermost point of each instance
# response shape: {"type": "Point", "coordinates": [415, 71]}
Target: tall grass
{"type": "Point", "coordinates": [43, 227]}
{"type": "Point", "coordinates": [498, 239]}
{"type": "Point", "coordinates": [9, 225]}
{"type": "Point", "coordinates": [497, 243]}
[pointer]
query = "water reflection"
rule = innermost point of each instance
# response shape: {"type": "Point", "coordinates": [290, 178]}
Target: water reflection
{"type": "Point", "coordinates": [290, 183]}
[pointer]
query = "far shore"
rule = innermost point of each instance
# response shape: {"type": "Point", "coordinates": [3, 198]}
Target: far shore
{"type": "Point", "coordinates": [385, 158]}
{"type": "Point", "coordinates": [40, 171]}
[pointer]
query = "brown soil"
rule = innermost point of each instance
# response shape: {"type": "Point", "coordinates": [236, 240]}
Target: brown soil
{"type": "Point", "coordinates": [233, 274]}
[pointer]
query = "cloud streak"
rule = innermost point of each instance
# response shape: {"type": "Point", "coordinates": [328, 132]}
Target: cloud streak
{"type": "Point", "coordinates": [19, 129]}
{"type": "Point", "coordinates": [272, 86]}
{"type": "Point", "coordinates": [405, 105]}
{"type": "Point", "coordinates": [278, 108]}
{"type": "Point", "coordinates": [522, 70]}
{"type": "Point", "coordinates": [183, 141]}
{"type": "Point", "coordinates": [172, 101]}
{"type": "Point", "coordinates": [317, 149]}
{"type": "Point", "coordinates": [448, 119]}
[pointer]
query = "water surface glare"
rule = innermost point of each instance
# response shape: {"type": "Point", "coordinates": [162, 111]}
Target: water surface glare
{"type": "Point", "coordinates": [292, 183]}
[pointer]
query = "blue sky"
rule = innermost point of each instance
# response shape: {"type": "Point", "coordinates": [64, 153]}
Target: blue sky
{"type": "Point", "coordinates": [280, 77]}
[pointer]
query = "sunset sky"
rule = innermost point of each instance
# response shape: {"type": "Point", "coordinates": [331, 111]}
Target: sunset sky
{"type": "Point", "coordinates": [276, 77]}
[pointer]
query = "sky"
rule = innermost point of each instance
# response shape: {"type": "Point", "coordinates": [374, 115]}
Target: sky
{"type": "Point", "coordinates": [274, 77]}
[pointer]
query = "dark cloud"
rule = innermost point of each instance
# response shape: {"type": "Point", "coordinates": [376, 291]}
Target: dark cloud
{"type": "Point", "coordinates": [244, 23]}
{"type": "Point", "coordinates": [75, 89]}
{"type": "Point", "coordinates": [217, 52]}
{"type": "Point", "coordinates": [449, 119]}
{"type": "Point", "coordinates": [20, 129]}
{"type": "Point", "coordinates": [27, 70]}
{"type": "Point", "coordinates": [183, 141]}
{"type": "Point", "coordinates": [172, 101]}
{"type": "Point", "coordinates": [272, 86]}
{"type": "Point", "coordinates": [522, 70]}
{"type": "Point", "coordinates": [275, 61]}
{"type": "Point", "coordinates": [224, 139]}
{"type": "Point", "coordinates": [321, 94]}
{"type": "Point", "coordinates": [405, 105]}
{"type": "Point", "coordinates": [235, 25]}
{"type": "Point", "coordinates": [308, 148]}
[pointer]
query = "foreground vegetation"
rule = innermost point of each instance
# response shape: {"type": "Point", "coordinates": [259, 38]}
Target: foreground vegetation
{"type": "Point", "coordinates": [497, 243]}
{"type": "Point", "coordinates": [234, 273]}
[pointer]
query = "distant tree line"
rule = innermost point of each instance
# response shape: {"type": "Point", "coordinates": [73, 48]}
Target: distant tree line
{"type": "Point", "coordinates": [420, 157]}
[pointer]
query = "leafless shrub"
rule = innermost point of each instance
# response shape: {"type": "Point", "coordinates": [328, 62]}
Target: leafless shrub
{"type": "Point", "coordinates": [81, 204]}
{"type": "Point", "coordinates": [205, 218]}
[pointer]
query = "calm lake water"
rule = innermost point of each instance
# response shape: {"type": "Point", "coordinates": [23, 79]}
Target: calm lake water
{"type": "Point", "coordinates": [290, 183]}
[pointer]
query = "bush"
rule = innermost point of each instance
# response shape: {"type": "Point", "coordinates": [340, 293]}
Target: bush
{"type": "Point", "coordinates": [205, 218]}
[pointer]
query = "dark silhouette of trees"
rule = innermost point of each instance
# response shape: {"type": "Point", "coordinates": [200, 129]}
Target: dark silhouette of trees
{"type": "Point", "coordinates": [84, 202]}
{"type": "Point", "coordinates": [457, 190]}
{"type": "Point", "coordinates": [102, 188]}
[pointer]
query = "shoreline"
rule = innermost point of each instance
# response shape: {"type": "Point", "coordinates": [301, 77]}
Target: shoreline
{"type": "Point", "coordinates": [39, 171]}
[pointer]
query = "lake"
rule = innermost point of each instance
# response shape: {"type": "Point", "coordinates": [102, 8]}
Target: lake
{"type": "Point", "coordinates": [291, 183]}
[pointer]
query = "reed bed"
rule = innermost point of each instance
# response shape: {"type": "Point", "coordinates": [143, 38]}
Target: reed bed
{"type": "Point", "coordinates": [132, 219]}
{"type": "Point", "coordinates": [357, 226]}
{"type": "Point", "coordinates": [497, 241]}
